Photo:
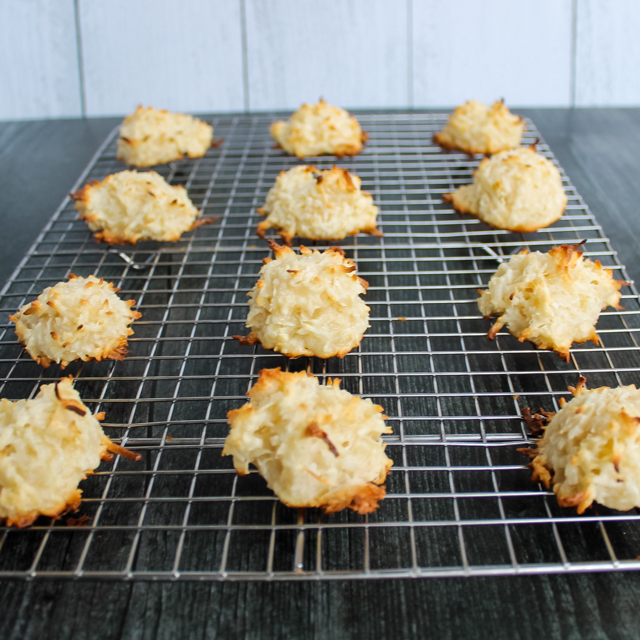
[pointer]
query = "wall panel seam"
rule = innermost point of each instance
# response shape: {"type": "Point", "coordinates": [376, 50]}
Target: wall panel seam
{"type": "Point", "coordinates": [574, 48]}
{"type": "Point", "coordinates": [245, 55]}
{"type": "Point", "coordinates": [83, 100]}
{"type": "Point", "coordinates": [410, 53]}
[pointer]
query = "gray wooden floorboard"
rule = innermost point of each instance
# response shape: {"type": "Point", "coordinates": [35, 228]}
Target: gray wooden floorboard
{"type": "Point", "coordinates": [39, 162]}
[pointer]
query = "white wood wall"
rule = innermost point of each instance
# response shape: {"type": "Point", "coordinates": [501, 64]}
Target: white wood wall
{"type": "Point", "coordinates": [65, 58]}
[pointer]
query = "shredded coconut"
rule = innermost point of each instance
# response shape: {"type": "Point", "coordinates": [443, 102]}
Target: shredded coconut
{"type": "Point", "coordinates": [475, 128]}
{"type": "Point", "coordinates": [307, 304]}
{"type": "Point", "coordinates": [551, 299]}
{"type": "Point", "coordinates": [47, 446]}
{"type": "Point", "coordinates": [590, 450]}
{"type": "Point", "coordinates": [81, 319]}
{"type": "Point", "coordinates": [149, 137]}
{"type": "Point", "coordinates": [517, 190]}
{"type": "Point", "coordinates": [319, 205]}
{"type": "Point", "coordinates": [315, 445]}
{"type": "Point", "coordinates": [317, 129]}
{"type": "Point", "coordinates": [129, 206]}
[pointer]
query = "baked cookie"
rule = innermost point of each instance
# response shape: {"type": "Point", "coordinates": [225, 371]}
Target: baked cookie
{"type": "Point", "coordinates": [318, 205]}
{"type": "Point", "coordinates": [590, 449]}
{"type": "Point", "coordinates": [149, 137]}
{"type": "Point", "coordinates": [307, 304]}
{"type": "Point", "coordinates": [315, 445]}
{"type": "Point", "coordinates": [47, 446]}
{"type": "Point", "coordinates": [517, 190]}
{"type": "Point", "coordinates": [551, 299]}
{"type": "Point", "coordinates": [129, 206]}
{"type": "Point", "coordinates": [318, 129]}
{"type": "Point", "coordinates": [82, 319]}
{"type": "Point", "coordinates": [475, 128]}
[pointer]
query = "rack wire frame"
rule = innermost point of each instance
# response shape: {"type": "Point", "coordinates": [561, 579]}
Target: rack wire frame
{"type": "Point", "coordinates": [460, 501]}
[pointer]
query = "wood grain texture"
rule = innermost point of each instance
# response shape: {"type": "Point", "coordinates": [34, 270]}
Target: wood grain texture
{"type": "Point", "coordinates": [32, 152]}
{"type": "Point", "coordinates": [189, 55]}
{"type": "Point", "coordinates": [488, 50]}
{"type": "Point", "coordinates": [181, 56]}
{"type": "Point", "coordinates": [352, 52]}
{"type": "Point", "coordinates": [39, 76]}
{"type": "Point", "coordinates": [596, 606]}
{"type": "Point", "coordinates": [598, 150]}
{"type": "Point", "coordinates": [607, 53]}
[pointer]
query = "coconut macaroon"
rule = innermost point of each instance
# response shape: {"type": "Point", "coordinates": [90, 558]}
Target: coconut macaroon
{"type": "Point", "coordinates": [315, 445]}
{"type": "Point", "coordinates": [128, 206]}
{"type": "Point", "coordinates": [517, 190]}
{"type": "Point", "coordinates": [475, 128]}
{"type": "Point", "coordinates": [307, 304]}
{"type": "Point", "coordinates": [590, 449]}
{"type": "Point", "coordinates": [318, 205]}
{"type": "Point", "coordinates": [47, 446]}
{"type": "Point", "coordinates": [551, 299]}
{"type": "Point", "coordinates": [82, 319]}
{"type": "Point", "coordinates": [318, 129]}
{"type": "Point", "coordinates": [150, 136]}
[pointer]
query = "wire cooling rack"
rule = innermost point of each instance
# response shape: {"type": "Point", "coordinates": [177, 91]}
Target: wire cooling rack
{"type": "Point", "coordinates": [460, 500]}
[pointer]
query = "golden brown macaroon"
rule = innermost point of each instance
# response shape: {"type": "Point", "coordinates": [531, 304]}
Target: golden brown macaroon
{"type": "Point", "coordinates": [519, 191]}
{"type": "Point", "coordinates": [590, 450]}
{"type": "Point", "coordinates": [129, 206]}
{"type": "Point", "coordinates": [551, 299]}
{"type": "Point", "coordinates": [150, 136]}
{"type": "Point", "coordinates": [319, 129]}
{"type": "Point", "coordinates": [307, 304]}
{"type": "Point", "coordinates": [315, 445]}
{"type": "Point", "coordinates": [475, 128]}
{"type": "Point", "coordinates": [318, 205]}
{"type": "Point", "coordinates": [82, 319]}
{"type": "Point", "coordinates": [47, 446]}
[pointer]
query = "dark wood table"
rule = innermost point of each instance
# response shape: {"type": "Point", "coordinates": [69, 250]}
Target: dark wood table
{"type": "Point", "coordinates": [39, 162]}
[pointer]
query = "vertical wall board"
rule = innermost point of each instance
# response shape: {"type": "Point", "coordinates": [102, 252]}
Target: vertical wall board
{"type": "Point", "coordinates": [520, 51]}
{"type": "Point", "coordinates": [354, 53]}
{"type": "Point", "coordinates": [39, 76]}
{"type": "Point", "coordinates": [607, 53]}
{"type": "Point", "coordinates": [176, 55]}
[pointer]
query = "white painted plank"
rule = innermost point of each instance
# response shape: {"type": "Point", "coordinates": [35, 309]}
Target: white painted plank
{"type": "Point", "coordinates": [181, 55]}
{"type": "Point", "coordinates": [354, 53]}
{"type": "Point", "coordinates": [520, 51]}
{"type": "Point", "coordinates": [607, 53]}
{"type": "Point", "coordinates": [39, 75]}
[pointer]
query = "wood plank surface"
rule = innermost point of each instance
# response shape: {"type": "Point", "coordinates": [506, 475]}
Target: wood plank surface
{"type": "Point", "coordinates": [489, 50]}
{"type": "Point", "coordinates": [354, 53]}
{"type": "Point", "coordinates": [607, 53]}
{"type": "Point", "coordinates": [201, 56]}
{"type": "Point", "coordinates": [587, 607]}
{"type": "Point", "coordinates": [181, 57]}
{"type": "Point", "coordinates": [597, 149]}
{"type": "Point", "coordinates": [37, 170]}
{"type": "Point", "coordinates": [39, 72]}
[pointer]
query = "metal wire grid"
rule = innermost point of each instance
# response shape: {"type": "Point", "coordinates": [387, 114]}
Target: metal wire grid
{"type": "Point", "coordinates": [460, 501]}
